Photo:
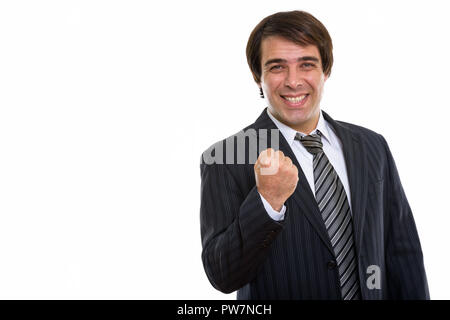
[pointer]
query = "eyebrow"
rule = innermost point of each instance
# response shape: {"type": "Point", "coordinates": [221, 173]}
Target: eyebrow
{"type": "Point", "coordinates": [278, 60]}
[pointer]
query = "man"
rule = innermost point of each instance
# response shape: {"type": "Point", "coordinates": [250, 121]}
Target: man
{"type": "Point", "coordinates": [321, 213]}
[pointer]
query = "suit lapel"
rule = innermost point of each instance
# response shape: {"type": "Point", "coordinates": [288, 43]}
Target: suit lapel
{"type": "Point", "coordinates": [355, 158]}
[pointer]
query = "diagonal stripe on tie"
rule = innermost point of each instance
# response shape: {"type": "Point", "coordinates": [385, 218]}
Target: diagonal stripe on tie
{"type": "Point", "coordinates": [330, 213]}
{"type": "Point", "coordinates": [335, 210]}
{"type": "Point", "coordinates": [326, 199]}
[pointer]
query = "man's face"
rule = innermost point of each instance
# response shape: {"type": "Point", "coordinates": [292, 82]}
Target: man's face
{"type": "Point", "coordinates": [292, 80]}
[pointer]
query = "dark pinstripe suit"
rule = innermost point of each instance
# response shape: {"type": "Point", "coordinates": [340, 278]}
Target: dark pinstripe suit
{"type": "Point", "coordinates": [245, 250]}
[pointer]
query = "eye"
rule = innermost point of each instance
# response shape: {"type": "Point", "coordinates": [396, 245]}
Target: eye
{"type": "Point", "coordinates": [276, 68]}
{"type": "Point", "coordinates": [308, 65]}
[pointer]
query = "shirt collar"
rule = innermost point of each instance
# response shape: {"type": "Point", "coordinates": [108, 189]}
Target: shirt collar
{"type": "Point", "coordinates": [289, 133]}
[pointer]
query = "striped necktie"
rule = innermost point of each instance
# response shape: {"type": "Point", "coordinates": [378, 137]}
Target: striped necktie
{"type": "Point", "coordinates": [335, 210]}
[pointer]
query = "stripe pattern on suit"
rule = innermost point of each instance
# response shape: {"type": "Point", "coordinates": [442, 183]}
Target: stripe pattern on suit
{"type": "Point", "coordinates": [245, 250]}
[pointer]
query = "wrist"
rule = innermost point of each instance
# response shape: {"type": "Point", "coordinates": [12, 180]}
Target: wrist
{"type": "Point", "coordinates": [275, 203]}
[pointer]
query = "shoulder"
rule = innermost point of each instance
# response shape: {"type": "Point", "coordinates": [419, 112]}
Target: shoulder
{"type": "Point", "coordinates": [245, 142]}
{"type": "Point", "coordinates": [363, 133]}
{"type": "Point", "coordinates": [238, 148]}
{"type": "Point", "coordinates": [231, 161]}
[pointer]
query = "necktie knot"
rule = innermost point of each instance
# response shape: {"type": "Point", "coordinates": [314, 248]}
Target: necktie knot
{"type": "Point", "coordinates": [312, 142]}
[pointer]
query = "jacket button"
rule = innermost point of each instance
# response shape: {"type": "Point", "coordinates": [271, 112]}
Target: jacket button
{"type": "Point", "coordinates": [331, 264]}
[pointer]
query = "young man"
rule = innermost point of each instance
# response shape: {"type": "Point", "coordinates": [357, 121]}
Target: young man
{"type": "Point", "coordinates": [330, 219]}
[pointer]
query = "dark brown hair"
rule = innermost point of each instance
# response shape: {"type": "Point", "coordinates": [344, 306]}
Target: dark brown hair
{"type": "Point", "coordinates": [299, 27]}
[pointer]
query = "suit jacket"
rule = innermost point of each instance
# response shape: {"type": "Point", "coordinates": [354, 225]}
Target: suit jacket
{"type": "Point", "coordinates": [245, 250]}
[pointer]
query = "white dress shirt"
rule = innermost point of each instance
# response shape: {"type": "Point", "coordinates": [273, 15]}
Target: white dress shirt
{"type": "Point", "coordinates": [332, 146]}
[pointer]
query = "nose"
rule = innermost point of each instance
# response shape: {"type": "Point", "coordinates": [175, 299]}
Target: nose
{"type": "Point", "coordinates": [294, 79]}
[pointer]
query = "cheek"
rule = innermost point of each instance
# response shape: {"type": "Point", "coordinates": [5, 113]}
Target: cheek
{"type": "Point", "coordinates": [271, 84]}
{"type": "Point", "coordinates": [272, 81]}
{"type": "Point", "coordinates": [315, 82]}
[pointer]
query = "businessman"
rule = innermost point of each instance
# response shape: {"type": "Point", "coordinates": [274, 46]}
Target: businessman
{"type": "Point", "coordinates": [319, 212]}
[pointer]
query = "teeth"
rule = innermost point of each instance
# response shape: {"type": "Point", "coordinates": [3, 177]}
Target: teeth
{"type": "Point", "coordinates": [296, 99]}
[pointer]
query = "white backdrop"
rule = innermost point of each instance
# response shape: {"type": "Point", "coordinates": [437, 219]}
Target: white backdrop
{"type": "Point", "coordinates": [106, 106]}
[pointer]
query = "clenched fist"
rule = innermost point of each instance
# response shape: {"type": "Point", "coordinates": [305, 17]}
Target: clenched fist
{"type": "Point", "coordinates": [276, 177]}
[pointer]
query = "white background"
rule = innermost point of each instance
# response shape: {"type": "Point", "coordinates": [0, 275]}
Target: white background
{"type": "Point", "coordinates": [106, 106]}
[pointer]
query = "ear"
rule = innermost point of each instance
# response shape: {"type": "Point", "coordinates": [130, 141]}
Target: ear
{"type": "Point", "coordinates": [261, 93]}
{"type": "Point", "coordinates": [325, 78]}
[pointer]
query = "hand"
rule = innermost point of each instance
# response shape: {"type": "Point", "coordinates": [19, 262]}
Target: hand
{"type": "Point", "coordinates": [276, 177]}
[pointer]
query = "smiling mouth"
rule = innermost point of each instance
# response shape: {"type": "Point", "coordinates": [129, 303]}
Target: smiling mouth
{"type": "Point", "coordinates": [295, 99]}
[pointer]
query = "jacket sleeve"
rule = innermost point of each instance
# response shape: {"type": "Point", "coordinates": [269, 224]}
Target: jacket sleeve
{"type": "Point", "coordinates": [406, 278]}
{"type": "Point", "coordinates": [236, 230]}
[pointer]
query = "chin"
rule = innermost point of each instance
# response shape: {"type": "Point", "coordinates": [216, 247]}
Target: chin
{"type": "Point", "coordinates": [293, 116]}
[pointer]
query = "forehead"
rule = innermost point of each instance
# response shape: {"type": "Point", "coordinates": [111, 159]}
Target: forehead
{"type": "Point", "coordinates": [276, 47]}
